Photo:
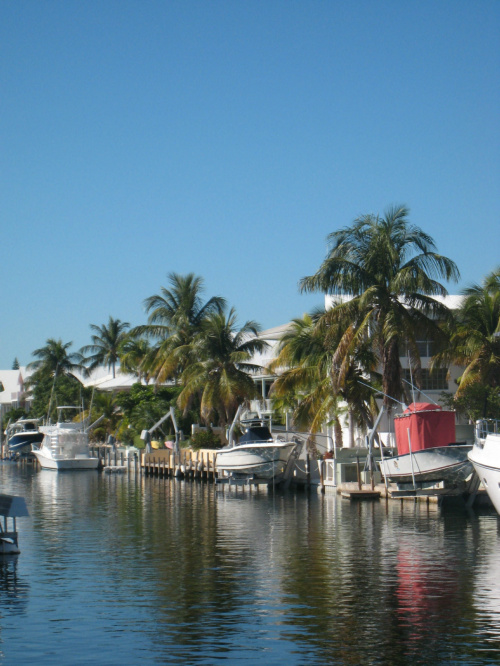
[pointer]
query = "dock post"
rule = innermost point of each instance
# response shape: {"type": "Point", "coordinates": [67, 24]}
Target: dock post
{"type": "Point", "coordinates": [322, 475]}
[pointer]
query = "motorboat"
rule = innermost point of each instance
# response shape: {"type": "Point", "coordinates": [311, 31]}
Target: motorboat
{"type": "Point", "coordinates": [258, 455]}
{"type": "Point", "coordinates": [21, 435]}
{"type": "Point", "coordinates": [485, 456]}
{"type": "Point", "coordinates": [429, 460]}
{"type": "Point", "coordinates": [65, 444]}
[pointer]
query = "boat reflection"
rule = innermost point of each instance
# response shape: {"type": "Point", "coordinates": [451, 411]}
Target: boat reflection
{"type": "Point", "coordinates": [14, 591]}
{"type": "Point", "coordinates": [487, 584]}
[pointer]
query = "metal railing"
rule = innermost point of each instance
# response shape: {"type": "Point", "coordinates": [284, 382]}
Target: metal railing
{"type": "Point", "coordinates": [486, 427]}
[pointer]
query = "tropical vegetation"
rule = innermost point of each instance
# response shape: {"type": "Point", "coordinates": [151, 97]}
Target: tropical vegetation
{"type": "Point", "coordinates": [176, 316]}
{"type": "Point", "coordinates": [219, 373]}
{"type": "Point", "coordinates": [55, 378]}
{"type": "Point", "coordinates": [474, 344]}
{"type": "Point", "coordinates": [106, 343]}
{"type": "Point", "coordinates": [386, 280]}
{"type": "Point", "coordinates": [384, 272]}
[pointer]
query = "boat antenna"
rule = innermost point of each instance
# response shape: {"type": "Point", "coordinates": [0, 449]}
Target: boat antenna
{"type": "Point", "coordinates": [52, 393]}
{"type": "Point", "coordinates": [424, 394]}
{"type": "Point", "coordinates": [411, 381]}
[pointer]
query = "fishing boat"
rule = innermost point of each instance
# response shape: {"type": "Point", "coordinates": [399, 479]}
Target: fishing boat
{"type": "Point", "coordinates": [21, 435]}
{"type": "Point", "coordinates": [258, 455]}
{"type": "Point", "coordinates": [65, 444]}
{"type": "Point", "coordinates": [485, 456]}
{"type": "Point", "coordinates": [429, 460]}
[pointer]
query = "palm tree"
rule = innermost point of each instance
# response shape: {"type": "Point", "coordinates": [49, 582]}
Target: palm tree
{"type": "Point", "coordinates": [176, 315]}
{"type": "Point", "coordinates": [105, 347]}
{"type": "Point", "coordinates": [475, 341]}
{"type": "Point", "coordinates": [388, 269]}
{"type": "Point", "coordinates": [133, 355]}
{"type": "Point", "coordinates": [54, 372]}
{"type": "Point", "coordinates": [55, 359]}
{"type": "Point", "coordinates": [220, 370]}
{"type": "Point", "coordinates": [303, 378]}
{"type": "Point", "coordinates": [306, 361]}
{"type": "Point", "coordinates": [105, 404]}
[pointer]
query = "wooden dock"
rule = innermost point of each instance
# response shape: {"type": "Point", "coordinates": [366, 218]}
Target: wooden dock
{"type": "Point", "coordinates": [361, 494]}
{"type": "Point", "coordinates": [186, 464]}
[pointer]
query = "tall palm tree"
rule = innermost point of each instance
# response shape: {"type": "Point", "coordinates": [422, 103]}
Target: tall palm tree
{"type": "Point", "coordinates": [55, 359]}
{"type": "Point", "coordinates": [54, 372]}
{"type": "Point", "coordinates": [176, 315]}
{"type": "Point", "coordinates": [105, 347]}
{"type": "Point", "coordinates": [475, 341]}
{"type": "Point", "coordinates": [388, 269]}
{"type": "Point", "coordinates": [220, 370]}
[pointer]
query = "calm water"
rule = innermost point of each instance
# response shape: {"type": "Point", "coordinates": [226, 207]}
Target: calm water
{"type": "Point", "coordinates": [118, 570]}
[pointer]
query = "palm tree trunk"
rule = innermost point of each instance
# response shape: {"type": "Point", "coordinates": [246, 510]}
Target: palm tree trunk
{"type": "Point", "coordinates": [350, 414]}
{"type": "Point", "coordinates": [337, 432]}
{"type": "Point", "coordinates": [391, 378]}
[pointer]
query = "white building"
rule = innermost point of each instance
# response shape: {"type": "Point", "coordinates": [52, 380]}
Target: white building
{"type": "Point", "coordinates": [13, 393]}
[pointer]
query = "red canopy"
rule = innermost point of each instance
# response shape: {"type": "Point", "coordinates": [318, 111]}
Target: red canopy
{"type": "Point", "coordinates": [425, 425]}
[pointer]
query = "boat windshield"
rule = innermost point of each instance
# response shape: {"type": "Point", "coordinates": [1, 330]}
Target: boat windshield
{"type": "Point", "coordinates": [256, 434]}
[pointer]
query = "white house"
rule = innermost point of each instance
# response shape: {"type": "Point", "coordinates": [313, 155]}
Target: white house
{"type": "Point", "coordinates": [13, 393]}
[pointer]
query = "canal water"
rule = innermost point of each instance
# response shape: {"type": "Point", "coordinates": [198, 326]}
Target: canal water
{"type": "Point", "coordinates": [128, 570]}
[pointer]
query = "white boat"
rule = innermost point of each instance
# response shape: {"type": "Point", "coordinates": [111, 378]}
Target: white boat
{"type": "Point", "coordinates": [429, 461]}
{"type": "Point", "coordinates": [65, 445]}
{"type": "Point", "coordinates": [21, 435]}
{"type": "Point", "coordinates": [485, 456]}
{"type": "Point", "coordinates": [257, 455]}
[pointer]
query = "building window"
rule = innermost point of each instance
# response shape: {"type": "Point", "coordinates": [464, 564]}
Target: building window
{"type": "Point", "coordinates": [425, 348]}
{"type": "Point", "coordinates": [435, 381]}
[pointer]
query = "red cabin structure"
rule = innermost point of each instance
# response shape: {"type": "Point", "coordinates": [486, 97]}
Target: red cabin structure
{"type": "Point", "coordinates": [425, 425]}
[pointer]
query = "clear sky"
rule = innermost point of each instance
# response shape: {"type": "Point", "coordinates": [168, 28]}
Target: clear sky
{"type": "Point", "coordinates": [228, 138]}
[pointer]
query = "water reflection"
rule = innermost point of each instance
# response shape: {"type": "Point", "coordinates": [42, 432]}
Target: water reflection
{"type": "Point", "coordinates": [179, 572]}
{"type": "Point", "coordinates": [487, 587]}
{"type": "Point", "coordinates": [14, 590]}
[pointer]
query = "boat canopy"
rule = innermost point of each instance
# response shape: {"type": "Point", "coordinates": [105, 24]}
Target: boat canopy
{"type": "Point", "coordinates": [256, 433]}
{"type": "Point", "coordinates": [425, 425]}
{"type": "Point", "coordinates": [12, 506]}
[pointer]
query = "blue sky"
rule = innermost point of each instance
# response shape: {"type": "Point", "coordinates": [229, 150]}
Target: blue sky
{"type": "Point", "coordinates": [228, 139]}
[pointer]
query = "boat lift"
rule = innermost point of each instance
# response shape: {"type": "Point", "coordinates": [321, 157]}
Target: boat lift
{"type": "Point", "coordinates": [146, 434]}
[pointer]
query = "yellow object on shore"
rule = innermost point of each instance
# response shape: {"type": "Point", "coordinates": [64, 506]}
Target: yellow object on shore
{"type": "Point", "coordinates": [155, 445]}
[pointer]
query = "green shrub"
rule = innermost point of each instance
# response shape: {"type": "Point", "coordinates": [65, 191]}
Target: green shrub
{"type": "Point", "coordinates": [205, 439]}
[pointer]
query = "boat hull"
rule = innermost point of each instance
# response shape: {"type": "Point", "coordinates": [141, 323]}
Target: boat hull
{"type": "Point", "coordinates": [448, 464]}
{"type": "Point", "coordinates": [21, 443]}
{"type": "Point", "coordinates": [485, 456]}
{"type": "Point", "coordinates": [65, 446]}
{"type": "Point", "coordinates": [49, 462]}
{"type": "Point", "coordinates": [265, 461]}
